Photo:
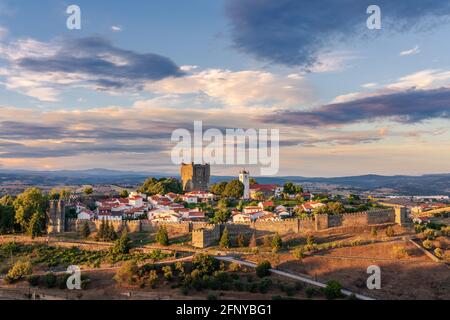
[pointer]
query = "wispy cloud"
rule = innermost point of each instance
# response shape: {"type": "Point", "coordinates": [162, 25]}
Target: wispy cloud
{"type": "Point", "coordinates": [116, 28]}
{"type": "Point", "coordinates": [410, 52]}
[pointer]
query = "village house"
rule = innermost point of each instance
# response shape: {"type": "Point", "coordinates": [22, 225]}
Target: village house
{"type": "Point", "coordinates": [268, 190]}
{"type": "Point", "coordinates": [310, 206]}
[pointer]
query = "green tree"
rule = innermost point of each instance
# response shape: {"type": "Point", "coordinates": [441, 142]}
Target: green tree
{"type": "Point", "coordinates": [65, 194]}
{"type": "Point", "coordinates": [263, 269]}
{"type": "Point", "coordinates": [277, 243]}
{"type": "Point", "coordinates": [225, 239]}
{"type": "Point", "coordinates": [88, 191]}
{"type": "Point", "coordinates": [218, 188]}
{"type": "Point", "coordinates": [124, 194]}
{"type": "Point", "coordinates": [85, 230]}
{"type": "Point", "coordinates": [333, 290]}
{"type": "Point", "coordinates": [205, 264]}
{"type": "Point", "coordinates": [221, 216]}
{"type": "Point", "coordinates": [153, 186]}
{"type": "Point", "coordinates": [34, 227]}
{"type": "Point", "coordinates": [7, 220]}
{"type": "Point", "coordinates": [123, 244]}
{"type": "Point", "coordinates": [162, 237]}
{"type": "Point", "coordinates": [29, 203]}
{"type": "Point", "coordinates": [234, 189]}
{"type": "Point", "coordinates": [253, 181]}
{"type": "Point", "coordinates": [290, 188]}
{"type": "Point", "coordinates": [18, 271]}
{"type": "Point", "coordinates": [126, 273]}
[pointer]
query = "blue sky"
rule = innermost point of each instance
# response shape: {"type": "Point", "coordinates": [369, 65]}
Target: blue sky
{"type": "Point", "coordinates": [347, 100]}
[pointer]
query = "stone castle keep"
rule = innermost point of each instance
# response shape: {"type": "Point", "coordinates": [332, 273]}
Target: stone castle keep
{"type": "Point", "coordinates": [195, 177]}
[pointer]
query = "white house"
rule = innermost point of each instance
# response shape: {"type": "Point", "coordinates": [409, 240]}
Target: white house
{"type": "Point", "coordinates": [85, 214]}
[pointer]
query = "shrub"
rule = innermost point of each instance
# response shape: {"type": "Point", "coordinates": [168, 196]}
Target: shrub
{"type": "Point", "coordinates": [298, 253]}
{"type": "Point", "coordinates": [211, 297]}
{"type": "Point", "coordinates": [446, 231]}
{"type": "Point", "coordinates": [264, 285]}
{"type": "Point", "coordinates": [429, 234]}
{"type": "Point", "coordinates": [390, 232]}
{"type": "Point", "coordinates": [238, 285]}
{"type": "Point", "coordinates": [310, 240]}
{"type": "Point", "coordinates": [263, 269]}
{"type": "Point", "coordinates": [19, 270]}
{"type": "Point", "coordinates": [234, 267]}
{"type": "Point", "coordinates": [373, 232]}
{"type": "Point", "coordinates": [427, 244]}
{"type": "Point", "coordinates": [34, 280]}
{"type": "Point", "coordinates": [206, 264]}
{"type": "Point", "coordinates": [167, 271]}
{"type": "Point", "coordinates": [399, 252]}
{"type": "Point", "coordinates": [162, 237]}
{"type": "Point", "coordinates": [310, 292]}
{"type": "Point", "coordinates": [438, 252]}
{"type": "Point", "coordinates": [126, 273]}
{"type": "Point", "coordinates": [123, 245]}
{"type": "Point", "coordinates": [152, 279]}
{"type": "Point", "coordinates": [333, 290]}
{"type": "Point", "coordinates": [225, 240]}
{"type": "Point", "coordinates": [50, 280]}
{"type": "Point", "coordinates": [277, 243]}
{"type": "Point", "coordinates": [267, 242]}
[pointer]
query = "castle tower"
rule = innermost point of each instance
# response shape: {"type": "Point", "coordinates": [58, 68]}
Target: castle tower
{"type": "Point", "coordinates": [195, 177]}
{"type": "Point", "coordinates": [401, 216]}
{"type": "Point", "coordinates": [244, 177]}
{"type": "Point", "coordinates": [56, 217]}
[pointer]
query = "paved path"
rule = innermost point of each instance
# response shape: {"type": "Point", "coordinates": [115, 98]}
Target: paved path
{"type": "Point", "coordinates": [294, 276]}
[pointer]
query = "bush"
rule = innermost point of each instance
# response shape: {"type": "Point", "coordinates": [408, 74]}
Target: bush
{"type": "Point", "coordinates": [206, 264]}
{"type": "Point", "coordinates": [123, 245]}
{"type": "Point", "coordinates": [298, 253]}
{"type": "Point", "coordinates": [85, 230]}
{"type": "Point", "coordinates": [427, 244]}
{"type": "Point", "coordinates": [153, 279]}
{"type": "Point", "coordinates": [211, 297]}
{"type": "Point", "coordinates": [310, 240]}
{"type": "Point", "coordinates": [310, 292]}
{"type": "Point", "coordinates": [277, 243]}
{"type": "Point", "coordinates": [162, 237]}
{"type": "Point", "coordinates": [438, 252]}
{"type": "Point", "coordinates": [50, 280]}
{"type": "Point", "coordinates": [240, 240]}
{"type": "Point", "coordinates": [19, 270]}
{"type": "Point", "coordinates": [264, 285]}
{"type": "Point", "coordinates": [225, 240]}
{"type": "Point", "coordinates": [373, 232]}
{"type": "Point", "coordinates": [333, 290]}
{"type": "Point", "coordinates": [34, 280]}
{"type": "Point", "coordinates": [390, 232]}
{"type": "Point", "coordinates": [234, 267]}
{"type": "Point", "coordinates": [167, 271]}
{"type": "Point", "coordinates": [429, 234]}
{"type": "Point", "coordinates": [399, 252]}
{"type": "Point", "coordinates": [126, 273]}
{"type": "Point", "coordinates": [263, 269]}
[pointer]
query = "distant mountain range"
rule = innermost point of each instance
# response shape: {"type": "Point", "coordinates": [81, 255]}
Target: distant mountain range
{"type": "Point", "coordinates": [430, 184]}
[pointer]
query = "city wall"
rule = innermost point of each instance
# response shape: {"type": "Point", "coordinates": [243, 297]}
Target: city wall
{"type": "Point", "coordinates": [204, 234]}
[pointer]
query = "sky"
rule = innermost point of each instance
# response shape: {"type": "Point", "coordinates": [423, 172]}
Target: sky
{"type": "Point", "coordinates": [347, 100]}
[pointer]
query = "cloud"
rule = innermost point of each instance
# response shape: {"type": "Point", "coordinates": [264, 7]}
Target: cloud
{"type": "Point", "coordinates": [369, 85]}
{"type": "Point", "coordinates": [405, 107]}
{"type": "Point", "coordinates": [116, 28]}
{"type": "Point", "coordinates": [295, 32]}
{"type": "Point", "coordinates": [240, 89]}
{"type": "Point", "coordinates": [41, 70]}
{"type": "Point", "coordinates": [410, 52]}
